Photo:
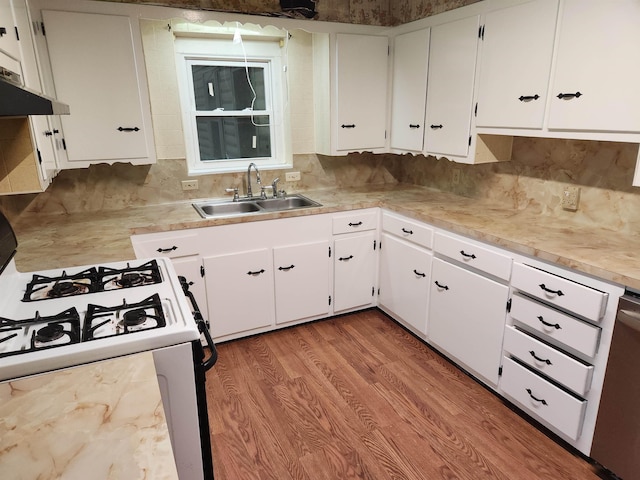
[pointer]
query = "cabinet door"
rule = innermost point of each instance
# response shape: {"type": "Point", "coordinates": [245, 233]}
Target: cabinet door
{"type": "Point", "coordinates": [404, 281]}
{"type": "Point", "coordinates": [467, 318]}
{"type": "Point", "coordinates": [410, 63]}
{"type": "Point", "coordinates": [516, 50]}
{"type": "Point", "coordinates": [94, 70]}
{"type": "Point", "coordinates": [597, 59]}
{"type": "Point", "coordinates": [8, 38]}
{"type": "Point", "coordinates": [361, 99]}
{"type": "Point", "coordinates": [452, 63]}
{"type": "Point", "coordinates": [354, 271]}
{"type": "Point", "coordinates": [301, 281]}
{"type": "Point", "coordinates": [239, 291]}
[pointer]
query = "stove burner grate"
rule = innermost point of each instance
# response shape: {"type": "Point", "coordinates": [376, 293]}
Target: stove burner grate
{"type": "Point", "coordinates": [42, 287]}
{"type": "Point", "coordinates": [116, 278]}
{"type": "Point", "coordinates": [102, 322]}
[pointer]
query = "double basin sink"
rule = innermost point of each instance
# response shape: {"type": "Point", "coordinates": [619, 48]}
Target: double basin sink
{"type": "Point", "coordinates": [246, 206]}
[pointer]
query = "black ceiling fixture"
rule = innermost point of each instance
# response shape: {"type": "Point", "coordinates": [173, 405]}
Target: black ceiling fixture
{"type": "Point", "coordinates": [306, 8]}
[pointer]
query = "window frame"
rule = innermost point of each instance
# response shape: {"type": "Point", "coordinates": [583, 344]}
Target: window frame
{"type": "Point", "coordinates": [270, 54]}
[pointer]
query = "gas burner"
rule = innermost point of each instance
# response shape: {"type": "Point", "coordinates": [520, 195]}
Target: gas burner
{"type": "Point", "coordinates": [102, 322]}
{"type": "Point", "coordinates": [39, 332]}
{"type": "Point", "coordinates": [114, 278]}
{"type": "Point", "coordinates": [49, 333]}
{"type": "Point", "coordinates": [42, 287]}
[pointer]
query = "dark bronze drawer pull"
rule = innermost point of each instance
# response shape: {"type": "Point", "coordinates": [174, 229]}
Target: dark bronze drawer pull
{"type": "Point", "coordinates": [556, 292]}
{"type": "Point", "coordinates": [444, 287]}
{"type": "Point", "coordinates": [409, 232]}
{"type": "Point", "coordinates": [357, 224]}
{"type": "Point", "coordinates": [533, 354]}
{"type": "Point", "coordinates": [540, 400]}
{"type": "Point", "coordinates": [556, 326]}
{"type": "Point", "coordinates": [468, 255]}
{"type": "Point", "coordinates": [286, 269]}
{"type": "Point", "coordinates": [257, 272]}
{"type": "Point", "coordinates": [165, 250]}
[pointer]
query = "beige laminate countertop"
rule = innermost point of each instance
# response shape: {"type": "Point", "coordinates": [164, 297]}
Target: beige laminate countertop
{"type": "Point", "coordinates": [55, 241]}
{"type": "Point", "coordinates": [97, 421]}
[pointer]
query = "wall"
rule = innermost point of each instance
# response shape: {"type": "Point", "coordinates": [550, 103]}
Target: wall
{"type": "Point", "coordinates": [18, 170]}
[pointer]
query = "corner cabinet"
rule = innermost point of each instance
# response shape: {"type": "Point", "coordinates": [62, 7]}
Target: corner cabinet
{"type": "Point", "coordinates": [98, 69]}
{"type": "Point", "coordinates": [516, 48]}
{"type": "Point", "coordinates": [452, 65]}
{"type": "Point", "coordinates": [410, 66]}
{"type": "Point", "coordinates": [596, 78]}
{"type": "Point", "coordinates": [351, 115]}
{"type": "Point", "coordinates": [468, 307]}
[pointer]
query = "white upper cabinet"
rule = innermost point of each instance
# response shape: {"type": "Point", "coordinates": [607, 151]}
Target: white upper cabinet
{"type": "Point", "coordinates": [410, 63]}
{"type": "Point", "coordinates": [100, 74]}
{"type": "Point", "coordinates": [452, 63]}
{"type": "Point", "coordinates": [8, 31]}
{"type": "Point", "coordinates": [596, 82]}
{"type": "Point", "coordinates": [351, 116]}
{"type": "Point", "coordinates": [515, 62]}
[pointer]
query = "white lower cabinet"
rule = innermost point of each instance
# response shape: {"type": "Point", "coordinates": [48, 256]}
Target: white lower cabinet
{"type": "Point", "coordinates": [301, 275]}
{"type": "Point", "coordinates": [404, 281]}
{"type": "Point", "coordinates": [354, 269]}
{"type": "Point", "coordinates": [466, 318]}
{"type": "Point", "coordinates": [239, 291]}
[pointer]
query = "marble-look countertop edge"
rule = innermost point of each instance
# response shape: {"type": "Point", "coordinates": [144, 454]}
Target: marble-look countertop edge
{"type": "Point", "coordinates": [598, 252]}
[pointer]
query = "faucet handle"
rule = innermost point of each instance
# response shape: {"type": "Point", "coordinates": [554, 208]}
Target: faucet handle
{"type": "Point", "coordinates": [274, 187]}
{"type": "Point", "coordinates": [233, 190]}
{"type": "Point", "coordinates": [263, 193]}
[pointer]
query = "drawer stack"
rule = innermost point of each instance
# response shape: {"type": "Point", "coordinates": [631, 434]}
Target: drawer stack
{"type": "Point", "coordinates": [551, 340]}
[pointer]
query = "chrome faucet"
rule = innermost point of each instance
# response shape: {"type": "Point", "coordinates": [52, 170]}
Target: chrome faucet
{"type": "Point", "coordinates": [249, 191]}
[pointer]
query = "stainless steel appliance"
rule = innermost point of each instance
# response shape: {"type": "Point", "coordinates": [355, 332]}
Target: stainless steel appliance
{"type": "Point", "coordinates": [61, 318]}
{"type": "Point", "coordinates": [616, 441]}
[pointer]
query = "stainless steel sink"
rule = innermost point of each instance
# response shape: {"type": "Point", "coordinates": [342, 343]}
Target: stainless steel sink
{"type": "Point", "coordinates": [229, 208]}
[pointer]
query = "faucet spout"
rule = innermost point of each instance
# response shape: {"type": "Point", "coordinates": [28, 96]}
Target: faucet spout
{"type": "Point", "coordinates": [249, 190]}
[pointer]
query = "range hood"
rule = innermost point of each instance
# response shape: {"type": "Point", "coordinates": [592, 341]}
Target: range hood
{"type": "Point", "coordinates": [18, 101]}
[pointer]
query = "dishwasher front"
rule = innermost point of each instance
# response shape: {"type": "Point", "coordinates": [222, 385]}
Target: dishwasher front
{"type": "Point", "coordinates": [616, 441]}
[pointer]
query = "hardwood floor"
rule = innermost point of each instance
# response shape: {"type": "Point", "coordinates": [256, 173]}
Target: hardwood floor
{"type": "Point", "coordinates": [359, 397]}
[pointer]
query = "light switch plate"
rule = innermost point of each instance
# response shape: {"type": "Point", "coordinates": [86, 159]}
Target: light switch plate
{"type": "Point", "coordinates": [189, 184]}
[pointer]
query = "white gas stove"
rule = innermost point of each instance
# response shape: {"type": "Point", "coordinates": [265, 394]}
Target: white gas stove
{"type": "Point", "coordinates": [62, 318]}
{"type": "Point", "coordinates": [59, 318]}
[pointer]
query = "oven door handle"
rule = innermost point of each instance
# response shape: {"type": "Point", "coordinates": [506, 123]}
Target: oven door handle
{"type": "Point", "coordinates": [213, 358]}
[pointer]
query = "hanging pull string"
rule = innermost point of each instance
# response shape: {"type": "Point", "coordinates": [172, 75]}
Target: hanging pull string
{"type": "Point", "coordinates": [237, 39]}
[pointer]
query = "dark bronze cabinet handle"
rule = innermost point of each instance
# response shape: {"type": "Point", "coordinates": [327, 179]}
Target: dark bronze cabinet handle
{"type": "Point", "coordinates": [128, 129]}
{"type": "Point", "coordinates": [556, 326]}
{"type": "Point", "coordinates": [540, 400]}
{"type": "Point", "coordinates": [286, 269]}
{"type": "Point", "coordinates": [414, 125]}
{"type": "Point", "coordinates": [165, 250]}
{"type": "Point", "coordinates": [409, 232]}
{"type": "Point", "coordinates": [436, 127]}
{"type": "Point", "coordinates": [444, 287]}
{"type": "Point", "coordinates": [357, 224]}
{"type": "Point", "coordinates": [257, 272]}
{"type": "Point", "coordinates": [533, 354]}
{"type": "Point", "coordinates": [468, 255]}
{"type": "Point", "coordinates": [343, 259]}
{"type": "Point", "coordinates": [569, 96]}
{"type": "Point", "coordinates": [528, 98]}
{"type": "Point", "coordinates": [555, 292]}
{"type": "Point", "coordinates": [419, 273]}
{"type": "Point", "coordinates": [351, 125]}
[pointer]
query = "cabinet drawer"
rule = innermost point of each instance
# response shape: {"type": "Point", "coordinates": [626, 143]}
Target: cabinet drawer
{"type": "Point", "coordinates": [410, 230]}
{"type": "Point", "coordinates": [166, 245]}
{"type": "Point", "coordinates": [474, 255]}
{"type": "Point", "coordinates": [543, 400]}
{"type": "Point", "coordinates": [555, 326]}
{"type": "Point", "coordinates": [561, 292]}
{"type": "Point", "coordinates": [357, 221]}
{"type": "Point", "coordinates": [571, 373]}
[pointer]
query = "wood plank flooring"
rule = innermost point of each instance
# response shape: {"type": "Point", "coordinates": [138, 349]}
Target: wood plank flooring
{"type": "Point", "coordinates": [358, 397]}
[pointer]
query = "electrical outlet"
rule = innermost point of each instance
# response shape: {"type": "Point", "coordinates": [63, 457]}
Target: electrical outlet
{"type": "Point", "coordinates": [292, 176]}
{"type": "Point", "coordinates": [571, 198]}
{"type": "Point", "coordinates": [455, 176]}
{"type": "Point", "coordinates": [189, 184]}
